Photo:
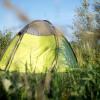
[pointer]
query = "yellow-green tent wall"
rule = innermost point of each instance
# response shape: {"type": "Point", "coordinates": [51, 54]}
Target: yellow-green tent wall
{"type": "Point", "coordinates": [38, 53]}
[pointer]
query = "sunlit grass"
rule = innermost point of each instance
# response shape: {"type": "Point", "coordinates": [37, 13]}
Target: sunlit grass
{"type": "Point", "coordinates": [78, 84]}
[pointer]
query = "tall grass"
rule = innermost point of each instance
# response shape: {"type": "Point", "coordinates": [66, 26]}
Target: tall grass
{"type": "Point", "coordinates": [77, 84]}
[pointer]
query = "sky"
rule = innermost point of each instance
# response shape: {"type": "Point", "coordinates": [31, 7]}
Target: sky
{"type": "Point", "coordinates": [58, 12]}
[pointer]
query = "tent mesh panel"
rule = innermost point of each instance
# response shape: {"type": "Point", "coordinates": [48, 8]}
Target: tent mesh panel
{"type": "Point", "coordinates": [39, 27]}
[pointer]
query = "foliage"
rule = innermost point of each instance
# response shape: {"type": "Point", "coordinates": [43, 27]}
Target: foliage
{"type": "Point", "coordinates": [77, 84]}
{"type": "Point", "coordinates": [97, 14]}
{"type": "Point", "coordinates": [86, 23]}
{"type": "Point", "coordinates": [84, 19]}
{"type": "Point", "coordinates": [86, 29]}
{"type": "Point", "coordinates": [4, 41]}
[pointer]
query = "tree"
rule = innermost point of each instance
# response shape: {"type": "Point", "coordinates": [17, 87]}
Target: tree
{"type": "Point", "coordinates": [97, 17]}
{"type": "Point", "coordinates": [83, 20]}
{"type": "Point", "coordinates": [84, 29]}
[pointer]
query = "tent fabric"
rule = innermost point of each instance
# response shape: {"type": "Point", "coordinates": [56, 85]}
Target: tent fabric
{"type": "Point", "coordinates": [39, 27]}
{"type": "Point", "coordinates": [38, 52]}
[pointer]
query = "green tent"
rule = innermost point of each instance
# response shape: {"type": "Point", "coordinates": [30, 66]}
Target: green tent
{"type": "Point", "coordinates": [38, 47]}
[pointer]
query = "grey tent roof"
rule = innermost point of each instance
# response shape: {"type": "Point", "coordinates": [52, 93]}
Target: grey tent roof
{"type": "Point", "coordinates": [39, 27]}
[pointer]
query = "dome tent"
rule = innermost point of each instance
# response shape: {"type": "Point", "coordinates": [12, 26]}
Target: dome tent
{"type": "Point", "coordinates": [38, 47]}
